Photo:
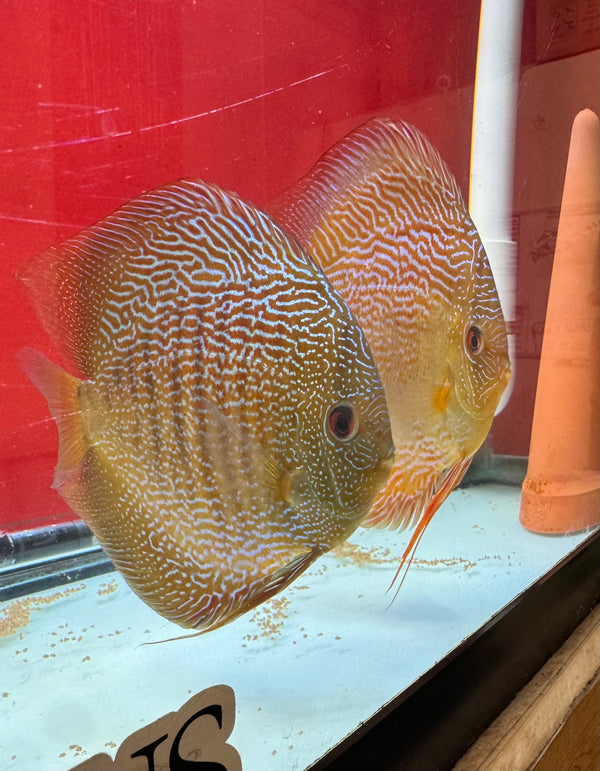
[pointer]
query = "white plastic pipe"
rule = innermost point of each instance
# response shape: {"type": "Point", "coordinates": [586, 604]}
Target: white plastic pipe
{"type": "Point", "coordinates": [493, 149]}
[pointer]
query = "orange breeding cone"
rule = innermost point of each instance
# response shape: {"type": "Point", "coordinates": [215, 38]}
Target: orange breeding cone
{"type": "Point", "coordinates": [561, 492]}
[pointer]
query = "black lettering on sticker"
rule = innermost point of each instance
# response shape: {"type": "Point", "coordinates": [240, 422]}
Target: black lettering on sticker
{"type": "Point", "coordinates": [148, 751]}
{"type": "Point", "coordinates": [177, 763]}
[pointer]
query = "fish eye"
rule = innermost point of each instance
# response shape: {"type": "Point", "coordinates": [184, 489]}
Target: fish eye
{"type": "Point", "coordinates": [474, 340]}
{"type": "Point", "coordinates": [342, 422]}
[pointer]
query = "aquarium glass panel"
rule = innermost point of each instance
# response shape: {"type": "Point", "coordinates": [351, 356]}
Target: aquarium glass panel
{"type": "Point", "coordinates": [298, 362]}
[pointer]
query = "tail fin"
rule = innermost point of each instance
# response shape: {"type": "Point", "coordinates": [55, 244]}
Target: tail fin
{"type": "Point", "coordinates": [61, 391]}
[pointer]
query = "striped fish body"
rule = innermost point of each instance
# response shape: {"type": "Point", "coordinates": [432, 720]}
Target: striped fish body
{"type": "Point", "coordinates": [206, 438]}
{"type": "Point", "coordinates": [384, 217]}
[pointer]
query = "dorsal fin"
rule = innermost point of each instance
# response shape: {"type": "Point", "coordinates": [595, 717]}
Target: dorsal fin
{"type": "Point", "coordinates": [83, 289]}
{"type": "Point", "coordinates": [70, 281]}
{"type": "Point", "coordinates": [379, 146]}
{"type": "Point", "coordinates": [67, 283]}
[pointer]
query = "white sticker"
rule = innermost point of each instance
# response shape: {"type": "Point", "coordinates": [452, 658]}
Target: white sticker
{"type": "Point", "coordinates": [192, 739]}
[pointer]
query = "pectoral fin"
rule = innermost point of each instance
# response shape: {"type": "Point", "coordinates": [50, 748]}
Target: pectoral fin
{"type": "Point", "coordinates": [238, 456]}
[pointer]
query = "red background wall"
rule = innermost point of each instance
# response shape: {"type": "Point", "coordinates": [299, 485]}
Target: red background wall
{"type": "Point", "coordinates": [103, 100]}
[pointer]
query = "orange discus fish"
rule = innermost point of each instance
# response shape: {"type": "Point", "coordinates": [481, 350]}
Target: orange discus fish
{"type": "Point", "coordinates": [384, 217]}
{"type": "Point", "coordinates": [230, 425]}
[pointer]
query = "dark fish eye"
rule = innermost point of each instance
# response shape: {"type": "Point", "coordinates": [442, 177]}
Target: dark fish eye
{"type": "Point", "coordinates": [474, 340]}
{"type": "Point", "coordinates": [342, 422]}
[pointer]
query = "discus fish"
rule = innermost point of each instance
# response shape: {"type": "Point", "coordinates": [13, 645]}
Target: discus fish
{"type": "Point", "coordinates": [385, 218]}
{"type": "Point", "coordinates": [229, 425]}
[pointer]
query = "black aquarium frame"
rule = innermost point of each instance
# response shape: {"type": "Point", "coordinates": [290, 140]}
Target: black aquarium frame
{"type": "Point", "coordinates": [431, 724]}
{"type": "Point", "coordinates": [39, 559]}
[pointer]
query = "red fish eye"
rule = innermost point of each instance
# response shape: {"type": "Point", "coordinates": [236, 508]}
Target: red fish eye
{"type": "Point", "coordinates": [342, 422]}
{"type": "Point", "coordinates": [474, 340]}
